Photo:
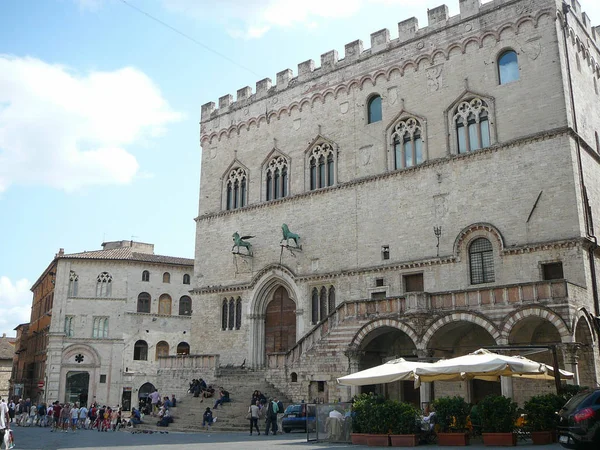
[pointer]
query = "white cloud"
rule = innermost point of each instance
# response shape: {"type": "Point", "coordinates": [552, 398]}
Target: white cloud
{"type": "Point", "coordinates": [68, 130]}
{"type": "Point", "coordinates": [16, 304]}
{"type": "Point", "coordinates": [253, 18]}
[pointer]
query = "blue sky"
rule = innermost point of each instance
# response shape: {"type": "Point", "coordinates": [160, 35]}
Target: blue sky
{"type": "Point", "coordinates": [99, 112]}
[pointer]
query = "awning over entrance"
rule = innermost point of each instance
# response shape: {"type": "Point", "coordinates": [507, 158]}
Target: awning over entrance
{"type": "Point", "coordinates": [395, 370]}
{"type": "Point", "coordinates": [481, 365]}
{"type": "Point", "coordinates": [485, 365]}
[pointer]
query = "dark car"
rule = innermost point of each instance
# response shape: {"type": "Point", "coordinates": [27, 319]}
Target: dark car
{"type": "Point", "coordinates": [295, 417]}
{"type": "Point", "coordinates": [579, 421]}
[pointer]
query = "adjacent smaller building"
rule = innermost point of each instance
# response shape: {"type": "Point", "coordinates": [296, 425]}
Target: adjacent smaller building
{"type": "Point", "coordinates": [7, 351]}
{"type": "Point", "coordinates": [113, 313]}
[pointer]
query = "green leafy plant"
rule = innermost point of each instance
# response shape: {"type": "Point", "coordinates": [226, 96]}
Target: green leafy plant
{"type": "Point", "coordinates": [403, 418]}
{"type": "Point", "coordinates": [542, 410]}
{"type": "Point", "coordinates": [365, 412]}
{"type": "Point", "coordinates": [498, 414]}
{"type": "Point", "coordinates": [451, 414]}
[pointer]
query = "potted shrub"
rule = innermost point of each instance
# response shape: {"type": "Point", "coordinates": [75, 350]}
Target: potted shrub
{"type": "Point", "coordinates": [541, 417]}
{"type": "Point", "coordinates": [361, 406]}
{"type": "Point", "coordinates": [498, 415]}
{"type": "Point", "coordinates": [451, 414]}
{"type": "Point", "coordinates": [379, 424]}
{"type": "Point", "coordinates": [404, 424]}
{"type": "Point", "coordinates": [370, 421]}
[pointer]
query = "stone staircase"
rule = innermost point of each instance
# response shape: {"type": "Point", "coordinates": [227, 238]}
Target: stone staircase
{"type": "Point", "coordinates": [240, 383]}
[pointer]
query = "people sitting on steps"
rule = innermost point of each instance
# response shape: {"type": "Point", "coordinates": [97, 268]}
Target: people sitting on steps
{"type": "Point", "coordinates": [207, 418]}
{"type": "Point", "coordinates": [223, 397]}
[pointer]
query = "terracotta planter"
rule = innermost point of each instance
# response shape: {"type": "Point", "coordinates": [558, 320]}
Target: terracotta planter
{"type": "Point", "coordinates": [378, 440]}
{"type": "Point", "coordinates": [542, 437]}
{"type": "Point", "coordinates": [500, 439]}
{"type": "Point", "coordinates": [404, 440]}
{"type": "Point", "coordinates": [456, 439]}
{"type": "Point", "coordinates": [359, 438]}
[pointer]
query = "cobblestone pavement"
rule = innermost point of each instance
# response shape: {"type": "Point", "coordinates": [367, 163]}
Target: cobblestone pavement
{"type": "Point", "coordinates": [42, 439]}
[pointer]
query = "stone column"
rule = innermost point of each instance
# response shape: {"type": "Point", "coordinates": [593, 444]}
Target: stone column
{"type": "Point", "coordinates": [426, 389]}
{"type": "Point", "coordinates": [353, 355]}
{"type": "Point", "coordinates": [571, 357]}
{"type": "Point", "coordinates": [506, 385]}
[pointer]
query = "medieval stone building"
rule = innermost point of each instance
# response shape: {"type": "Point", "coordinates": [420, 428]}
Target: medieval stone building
{"type": "Point", "coordinates": [102, 324]}
{"type": "Point", "coordinates": [444, 184]}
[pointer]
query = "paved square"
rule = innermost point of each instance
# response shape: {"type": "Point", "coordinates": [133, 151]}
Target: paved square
{"type": "Point", "coordinates": [42, 439]}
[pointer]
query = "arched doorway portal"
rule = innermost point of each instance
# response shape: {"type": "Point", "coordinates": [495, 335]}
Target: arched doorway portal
{"type": "Point", "coordinates": [381, 345]}
{"type": "Point", "coordinates": [77, 387]}
{"type": "Point", "coordinates": [457, 339]}
{"type": "Point", "coordinates": [143, 393]}
{"type": "Point", "coordinates": [280, 322]}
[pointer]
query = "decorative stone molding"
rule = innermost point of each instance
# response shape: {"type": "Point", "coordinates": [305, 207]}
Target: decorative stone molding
{"type": "Point", "coordinates": [353, 51]}
{"type": "Point", "coordinates": [427, 165]}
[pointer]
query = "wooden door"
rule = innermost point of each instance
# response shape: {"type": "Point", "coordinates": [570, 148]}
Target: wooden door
{"type": "Point", "coordinates": [280, 324]}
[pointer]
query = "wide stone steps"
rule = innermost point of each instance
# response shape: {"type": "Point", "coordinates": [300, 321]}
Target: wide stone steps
{"type": "Point", "coordinates": [230, 416]}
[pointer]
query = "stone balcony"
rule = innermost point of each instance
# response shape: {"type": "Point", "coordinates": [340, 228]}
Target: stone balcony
{"type": "Point", "coordinates": [210, 362]}
{"type": "Point", "coordinates": [556, 291]}
{"type": "Point", "coordinates": [354, 313]}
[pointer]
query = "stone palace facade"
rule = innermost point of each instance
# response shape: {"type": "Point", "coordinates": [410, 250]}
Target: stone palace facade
{"type": "Point", "coordinates": [114, 314]}
{"type": "Point", "coordinates": [445, 184]}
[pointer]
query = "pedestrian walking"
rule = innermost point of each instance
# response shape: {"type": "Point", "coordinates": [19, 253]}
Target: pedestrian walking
{"type": "Point", "coordinates": [254, 412]}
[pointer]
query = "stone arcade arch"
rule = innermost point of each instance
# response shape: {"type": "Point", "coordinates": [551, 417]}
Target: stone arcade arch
{"type": "Point", "coordinates": [380, 341]}
{"type": "Point", "coordinates": [275, 284]}
{"type": "Point", "coordinates": [536, 326]}
{"type": "Point", "coordinates": [458, 334]}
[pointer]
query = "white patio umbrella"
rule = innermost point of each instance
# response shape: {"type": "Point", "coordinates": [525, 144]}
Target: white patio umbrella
{"type": "Point", "coordinates": [485, 365]}
{"type": "Point", "coordinates": [395, 370]}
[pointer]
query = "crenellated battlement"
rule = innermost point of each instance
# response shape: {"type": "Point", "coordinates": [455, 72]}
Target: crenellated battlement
{"type": "Point", "coordinates": [408, 31]}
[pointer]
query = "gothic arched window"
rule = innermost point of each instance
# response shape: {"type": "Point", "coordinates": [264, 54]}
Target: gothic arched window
{"type": "Point", "coordinates": [408, 143]}
{"type": "Point", "coordinates": [231, 315]}
{"type": "Point", "coordinates": [374, 109]}
{"type": "Point", "coordinates": [183, 348]}
{"type": "Point", "coordinates": [73, 284]}
{"type": "Point", "coordinates": [145, 275]}
{"type": "Point", "coordinates": [238, 313]}
{"type": "Point", "coordinates": [508, 67]}
{"type": "Point", "coordinates": [104, 285]}
{"type": "Point", "coordinates": [224, 315]}
{"type": "Point", "coordinates": [472, 123]}
{"type": "Point", "coordinates": [315, 306]}
{"type": "Point", "coordinates": [164, 304]}
{"type": "Point", "coordinates": [143, 303]}
{"type": "Point", "coordinates": [331, 300]}
{"type": "Point", "coordinates": [277, 178]}
{"type": "Point", "coordinates": [140, 351]}
{"type": "Point", "coordinates": [185, 306]}
{"type": "Point", "coordinates": [323, 304]}
{"type": "Point", "coordinates": [481, 261]}
{"type": "Point", "coordinates": [321, 162]}
{"type": "Point", "coordinates": [236, 187]}
{"type": "Point", "coordinates": [162, 349]}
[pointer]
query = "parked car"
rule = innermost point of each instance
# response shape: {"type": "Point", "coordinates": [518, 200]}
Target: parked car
{"type": "Point", "coordinates": [295, 417]}
{"type": "Point", "coordinates": [579, 421]}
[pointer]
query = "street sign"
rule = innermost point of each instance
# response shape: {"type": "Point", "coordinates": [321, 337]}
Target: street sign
{"type": "Point", "coordinates": [40, 385]}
